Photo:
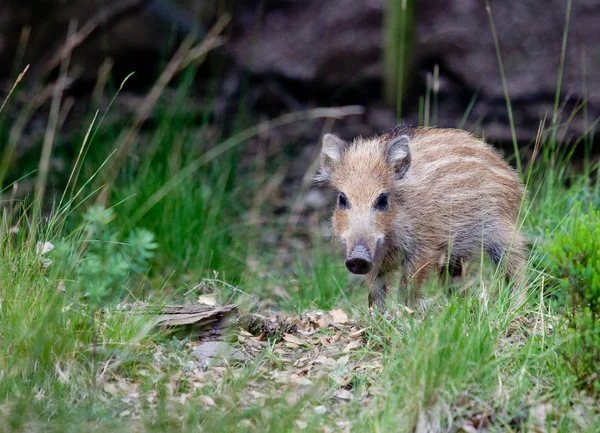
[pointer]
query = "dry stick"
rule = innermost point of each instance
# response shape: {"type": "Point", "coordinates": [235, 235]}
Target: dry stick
{"type": "Point", "coordinates": [8, 152]}
{"type": "Point", "coordinates": [21, 49]}
{"type": "Point", "coordinates": [103, 77]}
{"type": "Point", "coordinates": [107, 17]}
{"type": "Point", "coordinates": [260, 170]}
{"type": "Point", "coordinates": [44, 164]}
{"type": "Point", "coordinates": [307, 181]}
{"type": "Point", "coordinates": [427, 105]}
{"type": "Point", "coordinates": [12, 200]}
{"type": "Point", "coordinates": [185, 55]}
{"type": "Point", "coordinates": [561, 66]}
{"type": "Point", "coordinates": [537, 145]}
{"type": "Point", "coordinates": [77, 167]}
{"type": "Point", "coordinates": [85, 141]}
{"type": "Point", "coordinates": [125, 140]}
{"type": "Point", "coordinates": [317, 113]}
{"type": "Point", "coordinates": [67, 105]}
{"type": "Point", "coordinates": [509, 111]}
{"type": "Point", "coordinates": [41, 96]}
{"type": "Point", "coordinates": [17, 81]}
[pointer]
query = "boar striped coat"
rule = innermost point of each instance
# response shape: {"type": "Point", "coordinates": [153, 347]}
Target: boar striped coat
{"type": "Point", "coordinates": [418, 199]}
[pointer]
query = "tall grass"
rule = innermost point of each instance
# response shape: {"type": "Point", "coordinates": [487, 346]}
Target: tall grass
{"type": "Point", "coordinates": [398, 36]}
{"type": "Point", "coordinates": [460, 360]}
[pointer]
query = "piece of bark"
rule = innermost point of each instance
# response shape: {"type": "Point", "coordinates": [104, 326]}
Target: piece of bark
{"type": "Point", "coordinates": [211, 321]}
{"type": "Point", "coordinates": [172, 315]}
{"type": "Point", "coordinates": [205, 322]}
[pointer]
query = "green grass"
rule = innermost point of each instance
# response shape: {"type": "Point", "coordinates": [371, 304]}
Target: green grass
{"type": "Point", "coordinates": [74, 362]}
{"type": "Point", "coordinates": [321, 281]}
{"type": "Point", "coordinates": [460, 360]}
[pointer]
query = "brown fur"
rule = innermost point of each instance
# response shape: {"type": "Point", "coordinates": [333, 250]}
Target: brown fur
{"type": "Point", "coordinates": [457, 197]}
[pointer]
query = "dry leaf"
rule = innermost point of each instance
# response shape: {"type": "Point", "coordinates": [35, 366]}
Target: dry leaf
{"type": "Point", "coordinates": [343, 360]}
{"type": "Point", "coordinates": [301, 424]}
{"type": "Point", "coordinates": [327, 362]}
{"type": "Point", "coordinates": [323, 321]}
{"type": "Point", "coordinates": [292, 399]}
{"type": "Point", "coordinates": [321, 374]}
{"type": "Point", "coordinates": [111, 388]}
{"type": "Point", "coordinates": [541, 412]}
{"type": "Point", "coordinates": [206, 401]}
{"type": "Point", "coordinates": [338, 316]}
{"type": "Point", "coordinates": [207, 300]}
{"type": "Point", "coordinates": [321, 410]}
{"type": "Point", "coordinates": [325, 341]}
{"type": "Point", "coordinates": [295, 340]}
{"type": "Point", "coordinates": [302, 381]}
{"type": "Point", "coordinates": [43, 247]}
{"type": "Point", "coordinates": [343, 394]}
{"type": "Point", "coordinates": [344, 426]}
{"type": "Point", "coordinates": [281, 292]}
{"type": "Point", "coordinates": [468, 428]}
{"type": "Point", "coordinates": [356, 334]}
{"type": "Point", "coordinates": [351, 346]}
{"type": "Point", "coordinates": [256, 394]}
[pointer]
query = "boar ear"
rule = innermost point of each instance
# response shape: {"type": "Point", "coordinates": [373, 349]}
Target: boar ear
{"type": "Point", "coordinates": [398, 154]}
{"type": "Point", "coordinates": [331, 153]}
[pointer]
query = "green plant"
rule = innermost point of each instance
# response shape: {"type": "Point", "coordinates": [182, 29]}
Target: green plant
{"type": "Point", "coordinates": [104, 261]}
{"type": "Point", "coordinates": [319, 282]}
{"type": "Point", "coordinates": [398, 34]}
{"type": "Point", "coordinates": [574, 258]}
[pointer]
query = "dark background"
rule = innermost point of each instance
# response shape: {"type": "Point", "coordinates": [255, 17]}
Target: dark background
{"type": "Point", "coordinates": [287, 55]}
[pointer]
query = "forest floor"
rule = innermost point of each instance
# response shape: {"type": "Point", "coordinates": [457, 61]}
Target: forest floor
{"type": "Point", "coordinates": [184, 212]}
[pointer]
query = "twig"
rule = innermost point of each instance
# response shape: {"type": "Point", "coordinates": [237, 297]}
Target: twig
{"type": "Point", "coordinates": [103, 77]}
{"type": "Point", "coordinates": [307, 181]}
{"type": "Point", "coordinates": [43, 167]}
{"type": "Point", "coordinates": [186, 54]}
{"type": "Point", "coordinates": [41, 96]}
{"type": "Point", "coordinates": [17, 81]}
{"type": "Point", "coordinates": [215, 152]}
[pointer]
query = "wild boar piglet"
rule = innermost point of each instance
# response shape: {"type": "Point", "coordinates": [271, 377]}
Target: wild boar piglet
{"type": "Point", "coordinates": [418, 200]}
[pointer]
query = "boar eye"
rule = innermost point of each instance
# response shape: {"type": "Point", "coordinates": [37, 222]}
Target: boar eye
{"type": "Point", "coordinates": [342, 201]}
{"type": "Point", "coordinates": [382, 202]}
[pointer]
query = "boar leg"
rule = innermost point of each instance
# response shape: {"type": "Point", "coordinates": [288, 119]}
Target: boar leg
{"type": "Point", "coordinates": [451, 270]}
{"type": "Point", "coordinates": [414, 273]}
{"type": "Point", "coordinates": [377, 293]}
{"type": "Point", "coordinates": [509, 253]}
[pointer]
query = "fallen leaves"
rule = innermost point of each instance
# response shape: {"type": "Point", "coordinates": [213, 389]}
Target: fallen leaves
{"type": "Point", "coordinates": [351, 346]}
{"type": "Point", "coordinates": [296, 342]}
{"type": "Point", "coordinates": [336, 316]}
{"type": "Point", "coordinates": [315, 354]}
{"type": "Point", "coordinates": [343, 394]}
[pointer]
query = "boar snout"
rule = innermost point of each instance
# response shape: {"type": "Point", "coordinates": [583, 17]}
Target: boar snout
{"type": "Point", "coordinates": [359, 261]}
